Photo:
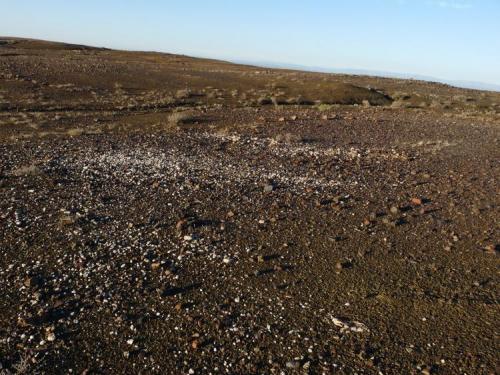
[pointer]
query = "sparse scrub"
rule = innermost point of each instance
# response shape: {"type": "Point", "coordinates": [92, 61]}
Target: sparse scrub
{"type": "Point", "coordinates": [398, 95]}
{"type": "Point", "coordinates": [167, 100]}
{"type": "Point", "coordinates": [119, 89]}
{"type": "Point", "coordinates": [436, 104]}
{"type": "Point", "coordinates": [75, 132]}
{"type": "Point", "coordinates": [288, 138]}
{"type": "Point", "coordinates": [277, 101]}
{"type": "Point", "coordinates": [177, 119]}
{"type": "Point", "coordinates": [324, 107]}
{"type": "Point", "coordinates": [183, 94]}
{"type": "Point", "coordinates": [300, 100]}
{"type": "Point", "coordinates": [401, 104]}
{"type": "Point", "coordinates": [223, 131]}
{"type": "Point", "coordinates": [264, 100]}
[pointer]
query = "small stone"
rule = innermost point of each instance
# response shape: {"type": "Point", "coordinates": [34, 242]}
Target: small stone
{"type": "Point", "coordinates": [260, 259]}
{"type": "Point", "coordinates": [394, 210]}
{"type": "Point", "coordinates": [130, 341]}
{"type": "Point", "coordinates": [226, 260]}
{"type": "Point", "coordinates": [155, 266]}
{"type": "Point", "coordinates": [195, 344]}
{"type": "Point", "coordinates": [490, 249]}
{"type": "Point", "coordinates": [181, 224]}
{"type": "Point", "coordinates": [51, 337]}
{"type": "Point", "coordinates": [268, 188]}
{"type": "Point", "coordinates": [416, 201]}
{"type": "Point", "coordinates": [293, 118]}
{"type": "Point", "coordinates": [19, 218]}
{"type": "Point", "coordinates": [281, 119]}
{"type": "Point", "coordinates": [28, 282]}
{"type": "Point", "coordinates": [293, 364]}
{"type": "Point", "coordinates": [32, 282]}
{"type": "Point", "coordinates": [66, 220]}
{"type": "Point", "coordinates": [22, 322]}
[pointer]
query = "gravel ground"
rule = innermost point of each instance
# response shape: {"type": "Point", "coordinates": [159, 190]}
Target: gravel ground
{"type": "Point", "coordinates": [262, 240]}
{"type": "Point", "coordinates": [208, 251]}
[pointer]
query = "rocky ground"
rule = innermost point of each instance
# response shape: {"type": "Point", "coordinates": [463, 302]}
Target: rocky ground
{"type": "Point", "coordinates": [147, 230]}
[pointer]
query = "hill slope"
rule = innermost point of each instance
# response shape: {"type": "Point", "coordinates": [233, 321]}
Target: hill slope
{"type": "Point", "coordinates": [165, 214]}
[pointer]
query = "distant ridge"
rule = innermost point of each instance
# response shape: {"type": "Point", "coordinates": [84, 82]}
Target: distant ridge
{"type": "Point", "coordinates": [373, 73]}
{"type": "Point", "coordinates": [471, 85]}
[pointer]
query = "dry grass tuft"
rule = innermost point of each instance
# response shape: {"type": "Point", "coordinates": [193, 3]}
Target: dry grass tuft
{"type": "Point", "coordinates": [288, 138]}
{"type": "Point", "coordinates": [400, 103]}
{"type": "Point", "coordinates": [177, 119]}
{"type": "Point", "coordinates": [75, 132]}
{"type": "Point", "coordinates": [183, 94]}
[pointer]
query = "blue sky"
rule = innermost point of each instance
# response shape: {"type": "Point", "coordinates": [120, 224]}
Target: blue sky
{"type": "Point", "coordinates": [448, 39]}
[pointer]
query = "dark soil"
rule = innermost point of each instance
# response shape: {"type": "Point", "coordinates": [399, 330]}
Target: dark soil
{"type": "Point", "coordinates": [248, 238]}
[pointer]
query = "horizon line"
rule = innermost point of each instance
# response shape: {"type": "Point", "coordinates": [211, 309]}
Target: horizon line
{"type": "Point", "coordinates": [462, 84]}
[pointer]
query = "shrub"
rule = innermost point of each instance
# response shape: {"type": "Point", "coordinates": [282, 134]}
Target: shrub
{"type": "Point", "coordinates": [277, 101]}
{"type": "Point", "coordinates": [263, 100]}
{"type": "Point", "coordinates": [183, 94]}
{"type": "Point", "coordinates": [181, 118]}
{"type": "Point", "coordinates": [400, 104]}
{"type": "Point", "coordinates": [288, 138]}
